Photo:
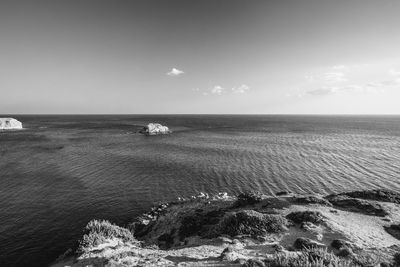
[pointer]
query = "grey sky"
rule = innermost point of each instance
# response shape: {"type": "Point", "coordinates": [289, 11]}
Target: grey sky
{"type": "Point", "coordinates": [213, 56]}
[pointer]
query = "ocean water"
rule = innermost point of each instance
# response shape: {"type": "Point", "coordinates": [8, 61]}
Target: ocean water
{"type": "Point", "coordinates": [62, 171]}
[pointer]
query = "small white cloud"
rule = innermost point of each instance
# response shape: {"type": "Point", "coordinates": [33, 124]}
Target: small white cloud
{"type": "Point", "coordinates": [217, 90]}
{"type": "Point", "coordinates": [394, 72]}
{"type": "Point", "coordinates": [322, 91]}
{"type": "Point", "coordinates": [241, 89]}
{"type": "Point", "coordinates": [309, 78]}
{"type": "Point", "coordinates": [339, 67]}
{"type": "Point", "coordinates": [298, 95]}
{"type": "Point", "coordinates": [353, 88]}
{"type": "Point", "coordinates": [175, 72]}
{"type": "Point", "coordinates": [334, 77]}
{"type": "Point", "coordinates": [348, 67]}
{"type": "Point", "coordinates": [374, 87]}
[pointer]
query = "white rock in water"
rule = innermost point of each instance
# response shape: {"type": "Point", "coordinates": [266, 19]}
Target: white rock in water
{"type": "Point", "coordinates": [155, 129]}
{"type": "Point", "coordinates": [9, 124]}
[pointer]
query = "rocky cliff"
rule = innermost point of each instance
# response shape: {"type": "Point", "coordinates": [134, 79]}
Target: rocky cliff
{"type": "Point", "coordinates": [351, 229]}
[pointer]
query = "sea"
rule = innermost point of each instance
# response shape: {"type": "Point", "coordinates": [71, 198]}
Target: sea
{"type": "Point", "coordinates": [60, 172]}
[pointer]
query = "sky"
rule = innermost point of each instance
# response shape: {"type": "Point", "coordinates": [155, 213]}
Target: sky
{"type": "Point", "coordinates": [200, 57]}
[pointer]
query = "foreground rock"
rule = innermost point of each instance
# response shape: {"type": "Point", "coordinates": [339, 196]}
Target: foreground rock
{"type": "Point", "coordinates": [10, 124]}
{"type": "Point", "coordinates": [155, 129]}
{"type": "Point", "coordinates": [249, 230]}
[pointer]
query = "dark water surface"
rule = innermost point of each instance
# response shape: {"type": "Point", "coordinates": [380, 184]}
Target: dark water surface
{"type": "Point", "coordinates": [62, 171]}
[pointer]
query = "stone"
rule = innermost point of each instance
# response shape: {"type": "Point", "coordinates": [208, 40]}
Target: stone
{"type": "Point", "coordinates": [229, 254]}
{"type": "Point", "coordinates": [278, 248]}
{"type": "Point", "coordinates": [10, 124]}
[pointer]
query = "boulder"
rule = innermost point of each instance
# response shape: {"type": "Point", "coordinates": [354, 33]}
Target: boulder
{"type": "Point", "coordinates": [229, 254]}
{"type": "Point", "coordinates": [10, 124]}
{"type": "Point", "coordinates": [155, 129]}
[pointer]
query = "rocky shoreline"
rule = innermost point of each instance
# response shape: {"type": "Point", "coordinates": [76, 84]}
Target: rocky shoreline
{"type": "Point", "coordinates": [359, 228]}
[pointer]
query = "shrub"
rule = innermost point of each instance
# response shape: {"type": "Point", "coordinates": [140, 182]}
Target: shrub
{"type": "Point", "coordinates": [250, 222]}
{"type": "Point", "coordinates": [249, 198]}
{"type": "Point", "coordinates": [306, 243]}
{"type": "Point", "coordinates": [198, 223]}
{"type": "Point", "coordinates": [314, 257]}
{"type": "Point", "coordinates": [166, 240]}
{"type": "Point", "coordinates": [306, 216]}
{"type": "Point", "coordinates": [340, 243]}
{"type": "Point", "coordinates": [191, 225]}
{"type": "Point", "coordinates": [394, 230]}
{"type": "Point", "coordinates": [98, 231]}
{"type": "Point", "coordinates": [253, 263]}
{"type": "Point", "coordinates": [396, 259]}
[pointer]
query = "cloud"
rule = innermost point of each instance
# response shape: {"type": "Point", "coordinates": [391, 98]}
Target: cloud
{"type": "Point", "coordinates": [348, 67]}
{"type": "Point", "coordinates": [339, 67]}
{"type": "Point", "coordinates": [322, 91]}
{"type": "Point", "coordinates": [353, 88]}
{"type": "Point", "coordinates": [241, 89]}
{"type": "Point", "coordinates": [175, 72]}
{"type": "Point", "coordinates": [374, 87]}
{"type": "Point", "coordinates": [332, 77]}
{"type": "Point", "coordinates": [334, 74]}
{"type": "Point", "coordinates": [394, 72]}
{"type": "Point", "coordinates": [309, 78]}
{"type": "Point", "coordinates": [338, 79]}
{"type": "Point", "coordinates": [217, 90]}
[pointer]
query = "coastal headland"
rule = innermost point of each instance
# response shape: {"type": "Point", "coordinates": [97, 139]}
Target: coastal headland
{"type": "Point", "coordinates": [360, 228]}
